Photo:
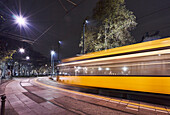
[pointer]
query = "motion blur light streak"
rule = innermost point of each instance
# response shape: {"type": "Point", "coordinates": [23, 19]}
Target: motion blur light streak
{"type": "Point", "coordinates": [141, 71]}
{"type": "Point", "coordinates": [107, 68]}
{"type": "Point", "coordinates": [120, 57]}
{"type": "Point", "coordinates": [99, 68]}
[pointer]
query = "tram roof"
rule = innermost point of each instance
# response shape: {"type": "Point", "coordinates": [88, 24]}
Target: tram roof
{"type": "Point", "coordinates": [124, 49]}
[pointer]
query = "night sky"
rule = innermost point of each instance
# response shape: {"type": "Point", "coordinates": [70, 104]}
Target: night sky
{"type": "Point", "coordinates": [64, 23]}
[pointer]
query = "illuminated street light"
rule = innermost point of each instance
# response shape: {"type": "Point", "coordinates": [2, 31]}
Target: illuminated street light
{"type": "Point", "coordinates": [58, 57]}
{"type": "Point", "coordinates": [87, 21]}
{"type": "Point", "coordinates": [84, 24]}
{"type": "Point", "coordinates": [52, 52]}
{"type": "Point", "coordinates": [20, 20]}
{"type": "Point", "coordinates": [27, 58]}
{"type": "Point", "coordinates": [60, 42]}
{"type": "Point", "coordinates": [21, 50]}
{"type": "Point", "coordinates": [52, 62]}
{"type": "Point", "coordinates": [58, 52]}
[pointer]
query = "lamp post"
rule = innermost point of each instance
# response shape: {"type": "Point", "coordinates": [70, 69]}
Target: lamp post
{"type": "Point", "coordinates": [84, 24]}
{"type": "Point", "coordinates": [21, 50]}
{"type": "Point", "coordinates": [105, 38]}
{"type": "Point", "coordinates": [58, 58]}
{"type": "Point", "coordinates": [52, 62]}
{"type": "Point", "coordinates": [21, 22]}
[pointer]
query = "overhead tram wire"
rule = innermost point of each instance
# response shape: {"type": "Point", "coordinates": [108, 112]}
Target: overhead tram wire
{"type": "Point", "coordinates": [75, 6]}
{"type": "Point", "coordinates": [44, 33]}
{"type": "Point", "coordinates": [154, 12]}
{"type": "Point", "coordinates": [47, 6]}
{"type": "Point", "coordinates": [15, 37]}
{"type": "Point", "coordinates": [30, 41]}
{"type": "Point", "coordinates": [72, 2]}
{"type": "Point", "coordinates": [55, 22]}
{"type": "Point", "coordinates": [63, 6]}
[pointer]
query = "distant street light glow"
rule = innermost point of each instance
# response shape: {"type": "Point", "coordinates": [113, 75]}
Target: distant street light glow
{"type": "Point", "coordinates": [52, 52]}
{"type": "Point", "coordinates": [27, 58]}
{"type": "Point", "coordinates": [59, 42]}
{"type": "Point", "coordinates": [21, 50]}
{"type": "Point", "coordinates": [86, 21]}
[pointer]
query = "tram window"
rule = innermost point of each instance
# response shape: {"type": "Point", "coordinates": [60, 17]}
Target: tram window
{"type": "Point", "coordinates": [135, 68]}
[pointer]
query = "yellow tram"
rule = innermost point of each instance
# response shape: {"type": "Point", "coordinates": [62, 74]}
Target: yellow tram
{"type": "Point", "coordinates": [143, 67]}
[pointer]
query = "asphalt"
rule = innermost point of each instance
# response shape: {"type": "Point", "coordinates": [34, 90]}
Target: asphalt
{"type": "Point", "coordinates": [42, 96]}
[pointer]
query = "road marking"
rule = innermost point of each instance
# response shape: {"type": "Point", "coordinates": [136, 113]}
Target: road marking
{"type": "Point", "coordinates": [160, 109]}
{"type": "Point", "coordinates": [151, 109]}
{"type": "Point", "coordinates": [132, 108]}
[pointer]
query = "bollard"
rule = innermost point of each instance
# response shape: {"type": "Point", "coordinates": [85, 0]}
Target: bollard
{"type": "Point", "coordinates": [3, 97]}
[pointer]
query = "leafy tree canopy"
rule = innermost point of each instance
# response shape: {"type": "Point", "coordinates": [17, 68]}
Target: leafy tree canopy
{"type": "Point", "coordinates": [113, 25]}
{"type": "Point", "coordinates": [5, 55]}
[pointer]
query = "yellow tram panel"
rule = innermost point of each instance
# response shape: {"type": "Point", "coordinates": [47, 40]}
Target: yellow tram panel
{"type": "Point", "coordinates": [125, 49]}
{"type": "Point", "coordinates": [143, 84]}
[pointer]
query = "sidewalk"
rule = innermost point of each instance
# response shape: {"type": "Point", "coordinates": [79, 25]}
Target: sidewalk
{"type": "Point", "coordinates": [28, 97]}
{"type": "Point", "coordinates": [3, 84]}
{"type": "Point", "coordinates": [21, 102]}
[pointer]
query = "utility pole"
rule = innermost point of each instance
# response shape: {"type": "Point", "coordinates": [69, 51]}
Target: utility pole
{"type": "Point", "coordinates": [105, 38]}
{"type": "Point", "coordinates": [83, 35]}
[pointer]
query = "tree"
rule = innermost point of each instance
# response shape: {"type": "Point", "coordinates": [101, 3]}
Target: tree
{"type": "Point", "coordinates": [6, 55]}
{"type": "Point", "coordinates": [90, 39]}
{"type": "Point", "coordinates": [114, 23]}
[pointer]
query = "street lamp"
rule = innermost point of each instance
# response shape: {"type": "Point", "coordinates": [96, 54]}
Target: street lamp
{"type": "Point", "coordinates": [20, 20]}
{"type": "Point", "coordinates": [22, 50]}
{"type": "Point", "coordinates": [27, 57]}
{"type": "Point", "coordinates": [58, 57]}
{"type": "Point", "coordinates": [105, 37]}
{"type": "Point", "coordinates": [52, 61]}
{"type": "Point", "coordinates": [84, 24]}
